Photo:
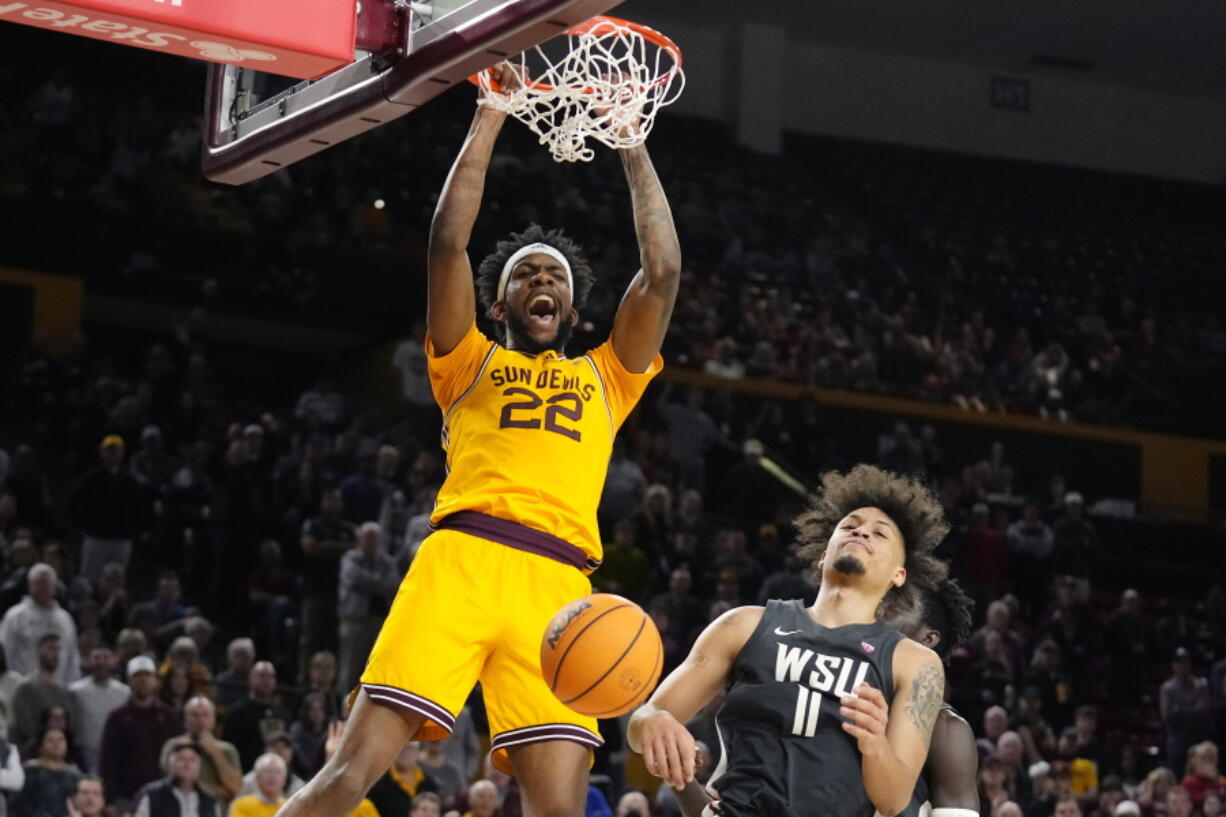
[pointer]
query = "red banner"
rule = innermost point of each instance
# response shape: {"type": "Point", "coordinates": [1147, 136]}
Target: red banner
{"type": "Point", "coordinates": [295, 38]}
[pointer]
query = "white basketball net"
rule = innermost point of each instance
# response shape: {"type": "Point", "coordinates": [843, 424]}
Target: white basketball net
{"type": "Point", "coordinates": [610, 85]}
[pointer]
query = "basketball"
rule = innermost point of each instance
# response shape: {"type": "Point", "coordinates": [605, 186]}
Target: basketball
{"type": "Point", "coordinates": [601, 655]}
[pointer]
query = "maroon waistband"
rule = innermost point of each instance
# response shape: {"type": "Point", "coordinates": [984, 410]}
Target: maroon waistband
{"type": "Point", "coordinates": [520, 537]}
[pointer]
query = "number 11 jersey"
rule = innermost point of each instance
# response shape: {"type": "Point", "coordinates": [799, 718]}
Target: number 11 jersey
{"type": "Point", "coordinates": [784, 751]}
{"type": "Point", "coordinates": [528, 436]}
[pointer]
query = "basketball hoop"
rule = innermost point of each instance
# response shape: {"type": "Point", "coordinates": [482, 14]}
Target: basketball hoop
{"type": "Point", "coordinates": [609, 85]}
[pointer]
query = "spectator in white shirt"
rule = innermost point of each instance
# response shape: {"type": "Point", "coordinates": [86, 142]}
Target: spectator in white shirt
{"type": "Point", "coordinates": [36, 615]}
{"type": "Point", "coordinates": [93, 699]}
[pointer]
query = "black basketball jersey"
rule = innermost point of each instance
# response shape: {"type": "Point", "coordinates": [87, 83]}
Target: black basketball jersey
{"type": "Point", "coordinates": [784, 751]}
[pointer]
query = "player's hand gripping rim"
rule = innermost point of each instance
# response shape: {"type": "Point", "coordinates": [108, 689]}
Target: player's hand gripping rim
{"type": "Point", "coordinates": [508, 78]}
{"type": "Point", "coordinates": [669, 750]}
{"type": "Point", "coordinates": [867, 716]}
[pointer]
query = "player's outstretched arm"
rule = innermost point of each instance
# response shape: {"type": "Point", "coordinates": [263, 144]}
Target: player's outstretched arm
{"type": "Point", "coordinates": [657, 728]}
{"type": "Point", "coordinates": [893, 740]}
{"type": "Point", "coordinates": [451, 304]}
{"type": "Point", "coordinates": [953, 768]}
{"type": "Point", "coordinates": [642, 319]}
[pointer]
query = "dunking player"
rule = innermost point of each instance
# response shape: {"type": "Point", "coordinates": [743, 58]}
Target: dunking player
{"type": "Point", "coordinates": [528, 434]}
{"type": "Point", "coordinates": [829, 711]}
{"type": "Point", "coordinates": [948, 787]}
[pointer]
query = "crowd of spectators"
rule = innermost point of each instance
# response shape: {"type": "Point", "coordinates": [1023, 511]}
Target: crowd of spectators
{"type": "Point", "coordinates": [192, 577]}
{"type": "Point", "coordinates": [192, 570]}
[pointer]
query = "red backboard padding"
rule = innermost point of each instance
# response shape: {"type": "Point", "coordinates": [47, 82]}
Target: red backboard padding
{"type": "Point", "coordinates": [295, 38]}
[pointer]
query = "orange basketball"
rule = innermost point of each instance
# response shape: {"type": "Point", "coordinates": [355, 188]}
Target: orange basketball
{"type": "Point", "coordinates": [602, 655]}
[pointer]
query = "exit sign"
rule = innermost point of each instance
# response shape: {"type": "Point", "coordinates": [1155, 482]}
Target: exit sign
{"type": "Point", "coordinates": [1011, 94]}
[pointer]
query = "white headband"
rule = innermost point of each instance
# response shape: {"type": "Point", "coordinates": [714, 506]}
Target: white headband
{"type": "Point", "coordinates": [524, 252]}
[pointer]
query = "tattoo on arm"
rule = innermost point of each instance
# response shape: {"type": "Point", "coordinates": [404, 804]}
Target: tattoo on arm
{"type": "Point", "coordinates": [927, 691]}
{"type": "Point", "coordinates": [652, 217]}
{"type": "Point", "coordinates": [700, 659]}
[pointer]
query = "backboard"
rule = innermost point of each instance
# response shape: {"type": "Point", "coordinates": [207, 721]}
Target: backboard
{"type": "Point", "coordinates": [407, 53]}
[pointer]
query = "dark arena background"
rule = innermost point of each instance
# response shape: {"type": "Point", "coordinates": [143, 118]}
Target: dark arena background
{"type": "Point", "coordinates": [982, 243]}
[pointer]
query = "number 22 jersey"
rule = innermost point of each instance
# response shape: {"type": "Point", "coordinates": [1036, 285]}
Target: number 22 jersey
{"type": "Point", "coordinates": [784, 751]}
{"type": "Point", "coordinates": [528, 436]}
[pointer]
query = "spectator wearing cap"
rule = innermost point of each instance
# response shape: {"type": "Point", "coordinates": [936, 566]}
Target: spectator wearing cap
{"type": "Point", "coordinates": [1184, 702]}
{"type": "Point", "coordinates": [94, 698]}
{"type": "Point", "coordinates": [1127, 808]}
{"type": "Point", "coordinates": [270, 774]}
{"type": "Point", "coordinates": [281, 745]}
{"type": "Point", "coordinates": [1043, 790]}
{"type": "Point", "coordinates": [249, 723]}
{"type": "Point", "coordinates": [367, 584]}
{"type": "Point", "coordinates": [180, 792]}
{"type": "Point", "coordinates": [1204, 776]}
{"type": "Point", "coordinates": [41, 690]}
{"type": "Point", "coordinates": [35, 616]}
{"type": "Point", "coordinates": [1075, 543]}
{"type": "Point", "coordinates": [220, 770]}
{"type": "Point", "coordinates": [134, 734]}
{"type": "Point", "coordinates": [106, 504]}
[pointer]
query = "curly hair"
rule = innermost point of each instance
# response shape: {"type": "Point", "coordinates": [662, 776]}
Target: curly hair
{"type": "Point", "coordinates": [947, 609]}
{"type": "Point", "coordinates": [910, 504]}
{"type": "Point", "coordinates": [491, 266]}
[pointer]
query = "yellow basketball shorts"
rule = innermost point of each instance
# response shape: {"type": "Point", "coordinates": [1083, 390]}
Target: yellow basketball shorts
{"type": "Point", "coordinates": [468, 610]}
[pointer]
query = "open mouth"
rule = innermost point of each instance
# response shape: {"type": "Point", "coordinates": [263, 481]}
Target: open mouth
{"type": "Point", "coordinates": [542, 311]}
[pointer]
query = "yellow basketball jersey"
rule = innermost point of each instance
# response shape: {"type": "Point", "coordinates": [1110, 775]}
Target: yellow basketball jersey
{"type": "Point", "coordinates": [528, 437]}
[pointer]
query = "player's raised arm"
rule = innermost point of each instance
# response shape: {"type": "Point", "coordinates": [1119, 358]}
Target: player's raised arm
{"type": "Point", "coordinates": [893, 740]}
{"type": "Point", "coordinates": [657, 728]}
{"type": "Point", "coordinates": [451, 304]}
{"type": "Point", "coordinates": [642, 319]}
